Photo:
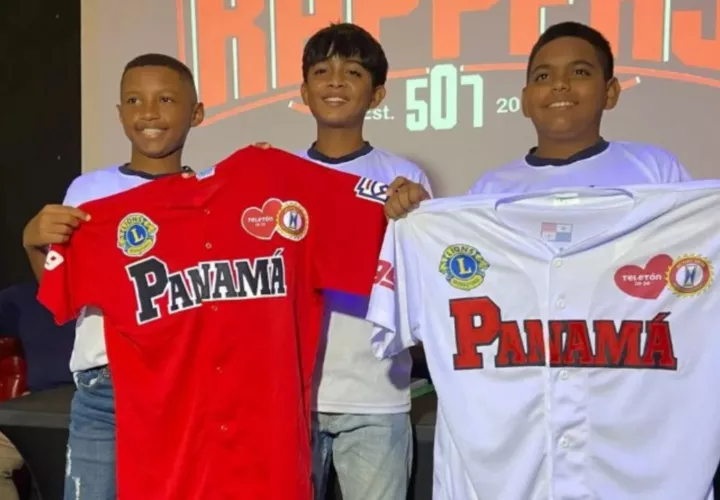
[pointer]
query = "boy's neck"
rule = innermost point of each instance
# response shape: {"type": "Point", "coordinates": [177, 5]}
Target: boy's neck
{"type": "Point", "coordinates": [338, 142]}
{"type": "Point", "coordinates": [156, 166]}
{"type": "Point", "coordinates": [562, 150]}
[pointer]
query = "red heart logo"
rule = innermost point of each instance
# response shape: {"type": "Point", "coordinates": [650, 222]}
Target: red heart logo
{"type": "Point", "coordinates": [261, 223]}
{"type": "Point", "coordinates": [647, 282]}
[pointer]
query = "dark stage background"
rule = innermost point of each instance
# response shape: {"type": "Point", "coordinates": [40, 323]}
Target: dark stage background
{"type": "Point", "coordinates": [40, 123]}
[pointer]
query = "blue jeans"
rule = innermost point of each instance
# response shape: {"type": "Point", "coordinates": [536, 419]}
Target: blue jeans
{"type": "Point", "coordinates": [372, 455]}
{"type": "Point", "coordinates": [90, 467]}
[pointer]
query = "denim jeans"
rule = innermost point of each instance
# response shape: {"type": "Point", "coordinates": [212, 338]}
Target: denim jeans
{"type": "Point", "coordinates": [90, 467]}
{"type": "Point", "coordinates": [372, 455]}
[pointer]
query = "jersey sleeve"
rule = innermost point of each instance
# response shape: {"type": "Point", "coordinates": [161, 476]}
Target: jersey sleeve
{"type": "Point", "coordinates": [677, 172]}
{"type": "Point", "coordinates": [421, 178]}
{"type": "Point", "coordinates": [394, 299]}
{"type": "Point", "coordinates": [414, 173]}
{"type": "Point", "coordinates": [67, 283]}
{"type": "Point", "coordinates": [75, 195]}
{"type": "Point", "coordinates": [346, 224]}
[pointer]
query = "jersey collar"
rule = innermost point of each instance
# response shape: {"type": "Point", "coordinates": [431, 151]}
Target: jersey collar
{"type": "Point", "coordinates": [316, 155]}
{"type": "Point", "coordinates": [594, 150]}
{"type": "Point", "coordinates": [644, 209]}
{"type": "Point", "coordinates": [126, 170]}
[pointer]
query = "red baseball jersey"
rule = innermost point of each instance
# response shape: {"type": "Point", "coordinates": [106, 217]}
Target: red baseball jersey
{"type": "Point", "coordinates": [211, 291]}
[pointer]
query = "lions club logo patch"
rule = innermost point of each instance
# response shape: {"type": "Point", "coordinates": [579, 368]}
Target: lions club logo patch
{"type": "Point", "coordinates": [136, 235]}
{"type": "Point", "coordinates": [464, 266]}
{"type": "Point", "coordinates": [289, 219]}
{"type": "Point", "coordinates": [690, 275]}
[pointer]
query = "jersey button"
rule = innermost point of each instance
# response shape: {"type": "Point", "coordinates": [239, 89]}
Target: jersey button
{"type": "Point", "coordinates": [208, 245]}
{"type": "Point", "coordinates": [218, 369]}
{"type": "Point", "coordinates": [557, 262]}
{"type": "Point", "coordinates": [214, 308]}
{"type": "Point", "coordinates": [564, 374]}
{"type": "Point", "coordinates": [564, 442]}
{"type": "Point", "coordinates": [207, 211]}
{"type": "Point", "coordinates": [223, 428]}
{"type": "Point", "coordinates": [560, 304]}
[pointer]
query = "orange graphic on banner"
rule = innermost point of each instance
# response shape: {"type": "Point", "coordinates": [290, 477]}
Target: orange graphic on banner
{"type": "Point", "coordinates": [688, 42]}
{"type": "Point", "coordinates": [249, 55]}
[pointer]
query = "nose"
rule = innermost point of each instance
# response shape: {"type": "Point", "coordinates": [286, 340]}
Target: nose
{"type": "Point", "coordinates": [337, 79]}
{"type": "Point", "coordinates": [150, 111]}
{"type": "Point", "coordinates": [561, 83]}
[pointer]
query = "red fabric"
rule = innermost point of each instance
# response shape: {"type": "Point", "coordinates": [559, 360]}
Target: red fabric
{"type": "Point", "coordinates": [13, 369]}
{"type": "Point", "coordinates": [10, 346]}
{"type": "Point", "coordinates": [212, 311]}
{"type": "Point", "coordinates": [13, 377]}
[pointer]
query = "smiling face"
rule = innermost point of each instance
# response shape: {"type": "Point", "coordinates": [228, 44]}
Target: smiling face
{"type": "Point", "coordinates": [567, 92]}
{"type": "Point", "coordinates": [157, 109]}
{"type": "Point", "coordinates": [339, 92]}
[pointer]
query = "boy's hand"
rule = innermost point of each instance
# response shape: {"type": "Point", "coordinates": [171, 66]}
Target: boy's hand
{"type": "Point", "coordinates": [404, 196]}
{"type": "Point", "coordinates": [53, 224]}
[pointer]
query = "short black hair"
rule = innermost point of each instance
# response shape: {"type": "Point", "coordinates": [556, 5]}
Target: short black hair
{"type": "Point", "coordinates": [348, 41]}
{"type": "Point", "coordinates": [584, 32]}
{"type": "Point", "coordinates": [161, 60]}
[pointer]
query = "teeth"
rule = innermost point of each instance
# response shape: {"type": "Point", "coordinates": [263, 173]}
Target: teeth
{"type": "Point", "coordinates": [562, 104]}
{"type": "Point", "coordinates": [334, 99]}
{"type": "Point", "coordinates": [152, 133]}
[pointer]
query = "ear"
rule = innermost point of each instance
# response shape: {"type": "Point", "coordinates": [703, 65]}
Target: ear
{"type": "Point", "coordinates": [524, 103]}
{"type": "Point", "coordinates": [612, 93]}
{"type": "Point", "coordinates": [119, 110]}
{"type": "Point", "coordinates": [377, 96]}
{"type": "Point", "coordinates": [198, 115]}
{"type": "Point", "coordinates": [304, 93]}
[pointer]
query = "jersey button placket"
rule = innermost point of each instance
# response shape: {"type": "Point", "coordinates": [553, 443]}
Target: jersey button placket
{"type": "Point", "coordinates": [207, 225]}
{"type": "Point", "coordinates": [568, 388]}
{"type": "Point", "coordinates": [221, 425]}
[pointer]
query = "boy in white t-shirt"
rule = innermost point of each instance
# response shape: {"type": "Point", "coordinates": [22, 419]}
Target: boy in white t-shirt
{"type": "Point", "coordinates": [158, 107]}
{"type": "Point", "coordinates": [570, 82]}
{"type": "Point", "coordinates": [361, 409]}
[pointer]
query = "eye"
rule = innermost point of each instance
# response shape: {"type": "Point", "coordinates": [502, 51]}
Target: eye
{"type": "Point", "coordinates": [166, 99]}
{"type": "Point", "coordinates": [582, 72]}
{"type": "Point", "coordinates": [132, 100]}
{"type": "Point", "coordinates": [541, 76]}
{"type": "Point", "coordinates": [355, 72]}
{"type": "Point", "coordinates": [319, 71]}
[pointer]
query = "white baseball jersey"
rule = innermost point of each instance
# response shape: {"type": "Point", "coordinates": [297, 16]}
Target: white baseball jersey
{"type": "Point", "coordinates": [572, 338]}
{"type": "Point", "coordinates": [348, 378]}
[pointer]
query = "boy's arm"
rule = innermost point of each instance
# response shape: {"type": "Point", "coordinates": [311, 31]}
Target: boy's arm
{"type": "Point", "coordinates": [52, 225]}
{"type": "Point", "coordinates": [403, 196]}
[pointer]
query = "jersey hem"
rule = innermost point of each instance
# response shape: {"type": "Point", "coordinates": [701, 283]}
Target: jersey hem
{"type": "Point", "coordinates": [361, 409]}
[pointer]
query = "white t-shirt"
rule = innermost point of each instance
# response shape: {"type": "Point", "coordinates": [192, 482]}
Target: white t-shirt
{"type": "Point", "coordinates": [89, 350]}
{"type": "Point", "coordinates": [618, 287]}
{"type": "Point", "coordinates": [349, 379]}
{"type": "Point", "coordinates": [605, 164]}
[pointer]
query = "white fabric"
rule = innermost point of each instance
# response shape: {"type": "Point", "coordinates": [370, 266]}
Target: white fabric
{"type": "Point", "coordinates": [349, 379]}
{"type": "Point", "coordinates": [622, 163]}
{"type": "Point", "coordinates": [89, 349]}
{"type": "Point", "coordinates": [578, 427]}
